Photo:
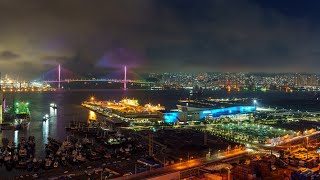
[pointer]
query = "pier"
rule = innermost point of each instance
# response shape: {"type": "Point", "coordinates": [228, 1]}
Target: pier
{"type": "Point", "coordinates": [127, 110]}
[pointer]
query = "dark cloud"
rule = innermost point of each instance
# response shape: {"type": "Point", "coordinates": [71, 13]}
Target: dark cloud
{"type": "Point", "coordinates": [119, 57]}
{"type": "Point", "coordinates": [8, 55]}
{"type": "Point", "coordinates": [238, 36]}
{"type": "Point", "coordinates": [55, 60]}
{"type": "Point", "coordinates": [162, 35]}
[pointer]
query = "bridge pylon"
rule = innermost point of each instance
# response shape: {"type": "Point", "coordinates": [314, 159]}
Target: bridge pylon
{"type": "Point", "coordinates": [59, 76]}
{"type": "Point", "coordinates": [125, 78]}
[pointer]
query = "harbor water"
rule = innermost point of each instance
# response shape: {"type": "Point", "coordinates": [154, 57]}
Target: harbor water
{"type": "Point", "coordinates": [69, 108]}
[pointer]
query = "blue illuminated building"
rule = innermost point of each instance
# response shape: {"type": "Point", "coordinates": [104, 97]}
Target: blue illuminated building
{"type": "Point", "coordinates": [172, 117]}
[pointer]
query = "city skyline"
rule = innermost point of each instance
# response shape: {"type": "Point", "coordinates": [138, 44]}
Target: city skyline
{"type": "Point", "coordinates": [237, 81]}
{"type": "Point", "coordinates": [158, 36]}
{"type": "Point", "coordinates": [160, 89]}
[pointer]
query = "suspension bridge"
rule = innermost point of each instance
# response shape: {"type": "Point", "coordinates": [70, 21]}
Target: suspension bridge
{"type": "Point", "coordinates": [59, 79]}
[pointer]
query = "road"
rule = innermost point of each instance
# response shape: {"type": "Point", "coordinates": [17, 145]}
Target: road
{"type": "Point", "coordinates": [184, 166]}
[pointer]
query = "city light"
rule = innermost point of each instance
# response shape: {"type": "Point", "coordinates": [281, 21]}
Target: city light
{"type": "Point", "coordinates": [160, 90]}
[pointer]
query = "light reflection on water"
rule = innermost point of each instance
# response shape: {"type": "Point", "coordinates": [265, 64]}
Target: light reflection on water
{"type": "Point", "coordinates": [16, 137]}
{"type": "Point", "coordinates": [45, 131]}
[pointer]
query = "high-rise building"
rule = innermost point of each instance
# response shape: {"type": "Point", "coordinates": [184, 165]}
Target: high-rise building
{"type": "Point", "coordinates": [1, 103]}
{"type": "Point", "coordinates": [306, 80]}
{"type": "Point", "coordinates": [313, 80]}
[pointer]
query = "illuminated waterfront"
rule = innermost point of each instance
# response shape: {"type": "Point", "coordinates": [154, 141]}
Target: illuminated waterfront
{"type": "Point", "coordinates": [69, 108]}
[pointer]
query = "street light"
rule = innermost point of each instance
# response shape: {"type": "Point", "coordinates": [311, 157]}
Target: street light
{"type": "Point", "coordinates": [180, 160]}
{"type": "Point", "coordinates": [228, 173]}
{"type": "Point", "coordinates": [307, 147]}
{"type": "Point", "coordinates": [255, 102]}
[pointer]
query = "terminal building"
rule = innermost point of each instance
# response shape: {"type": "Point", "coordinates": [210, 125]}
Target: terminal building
{"type": "Point", "coordinates": [186, 113]}
{"type": "Point", "coordinates": [129, 110]}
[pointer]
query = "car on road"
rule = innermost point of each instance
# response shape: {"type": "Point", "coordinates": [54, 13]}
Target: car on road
{"type": "Point", "coordinates": [98, 170]}
{"type": "Point", "coordinates": [128, 174]}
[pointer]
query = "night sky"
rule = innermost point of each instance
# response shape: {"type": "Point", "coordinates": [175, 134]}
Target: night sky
{"type": "Point", "coordinates": [159, 35]}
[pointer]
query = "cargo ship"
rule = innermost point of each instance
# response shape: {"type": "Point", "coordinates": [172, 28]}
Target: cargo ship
{"type": "Point", "coordinates": [22, 114]}
{"type": "Point", "coordinates": [17, 117]}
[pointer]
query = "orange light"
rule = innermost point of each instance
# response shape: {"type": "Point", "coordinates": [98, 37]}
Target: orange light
{"type": "Point", "coordinates": [228, 88]}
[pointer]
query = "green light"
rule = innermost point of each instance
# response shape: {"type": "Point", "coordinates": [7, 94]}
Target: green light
{"type": "Point", "coordinates": [263, 89]}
